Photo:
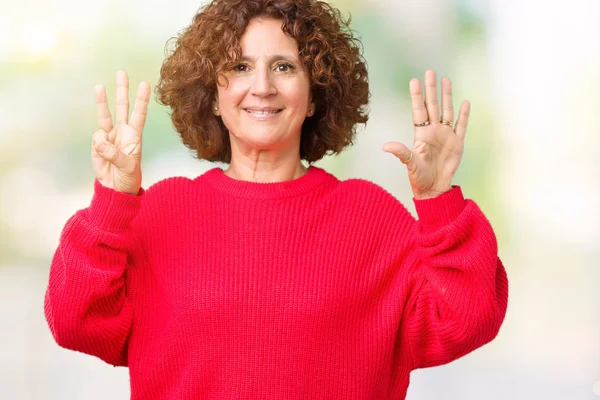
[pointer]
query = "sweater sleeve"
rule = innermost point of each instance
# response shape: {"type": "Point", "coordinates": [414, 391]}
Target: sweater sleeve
{"type": "Point", "coordinates": [85, 305]}
{"type": "Point", "coordinates": [456, 285]}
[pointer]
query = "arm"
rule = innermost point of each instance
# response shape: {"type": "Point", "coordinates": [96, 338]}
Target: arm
{"type": "Point", "coordinates": [455, 284]}
{"type": "Point", "coordinates": [86, 306]}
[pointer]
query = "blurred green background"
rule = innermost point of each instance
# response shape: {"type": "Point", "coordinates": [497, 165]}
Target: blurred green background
{"type": "Point", "coordinates": [531, 163]}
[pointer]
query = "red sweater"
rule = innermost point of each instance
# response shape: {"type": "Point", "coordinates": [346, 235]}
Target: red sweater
{"type": "Point", "coordinates": [314, 288]}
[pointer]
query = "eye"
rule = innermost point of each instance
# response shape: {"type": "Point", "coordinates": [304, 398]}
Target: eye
{"type": "Point", "coordinates": [241, 68]}
{"type": "Point", "coordinates": [285, 67]}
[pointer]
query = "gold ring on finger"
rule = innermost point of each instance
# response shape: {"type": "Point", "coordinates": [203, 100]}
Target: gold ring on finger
{"type": "Point", "coordinates": [444, 122]}
{"type": "Point", "coordinates": [422, 124]}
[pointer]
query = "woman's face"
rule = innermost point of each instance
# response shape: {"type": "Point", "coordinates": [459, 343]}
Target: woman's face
{"type": "Point", "coordinates": [267, 96]}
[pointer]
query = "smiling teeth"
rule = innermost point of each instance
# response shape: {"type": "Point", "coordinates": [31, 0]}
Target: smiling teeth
{"type": "Point", "coordinates": [262, 112]}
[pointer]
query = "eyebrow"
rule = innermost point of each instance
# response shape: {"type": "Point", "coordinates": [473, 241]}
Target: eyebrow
{"type": "Point", "coordinates": [272, 58]}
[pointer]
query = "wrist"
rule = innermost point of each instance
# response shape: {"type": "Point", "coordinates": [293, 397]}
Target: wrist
{"type": "Point", "coordinates": [440, 211]}
{"type": "Point", "coordinates": [430, 194]}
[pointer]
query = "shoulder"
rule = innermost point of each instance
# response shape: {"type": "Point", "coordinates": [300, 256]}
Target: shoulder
{"type": "Point", "coordinates": [172, 193]}
{"type": "Point", "coordinates": [176, 185]}
{"type": "Point", "coordinates": [368, 211]}
{"type": "Point", "coordinates": [365, 190]}
{"type": "Point", "coordinates": [166, 190]}
{"type": "Point", "coordinates": [168, 184]}
{"type": "Point", "coordinates": [170, 200]}
{"type": "Point", "coordinates": [369, 200]}
{"type": "Point", "coordinates": [365, 187]}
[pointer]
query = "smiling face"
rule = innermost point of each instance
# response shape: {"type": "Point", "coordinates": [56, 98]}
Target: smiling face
{"type": "Point", "coordinates": [267, 95]}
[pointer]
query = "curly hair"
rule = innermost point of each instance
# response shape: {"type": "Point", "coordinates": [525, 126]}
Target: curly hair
{"type": "Point", "coordinates": [330, 52]}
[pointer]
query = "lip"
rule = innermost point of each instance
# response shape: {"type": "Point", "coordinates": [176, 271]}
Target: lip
{"type": "Point", "coordinates": [267, 112]}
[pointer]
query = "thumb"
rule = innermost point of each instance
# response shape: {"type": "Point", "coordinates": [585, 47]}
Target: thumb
{"type": "Point", "coordinates": [112, 154]}
{"type": "Point", "coordinates": [99, 136]}
{"type": "Point", "coordinates": [403, 153]}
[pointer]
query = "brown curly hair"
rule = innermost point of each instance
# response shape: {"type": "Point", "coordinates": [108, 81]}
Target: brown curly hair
{"type": "Point", "coordinates": [210, 45]}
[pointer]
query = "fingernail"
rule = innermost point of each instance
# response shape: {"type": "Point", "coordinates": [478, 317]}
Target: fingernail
{"type": "Point", "coordinates": [101, 147]}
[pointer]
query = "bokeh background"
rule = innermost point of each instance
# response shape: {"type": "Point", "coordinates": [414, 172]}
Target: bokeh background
{"type": "Point", "coordinates": [530, 70]}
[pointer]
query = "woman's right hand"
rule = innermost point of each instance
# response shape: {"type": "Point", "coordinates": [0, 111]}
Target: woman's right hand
{"type": "Point", "coordinates": [117, 149]}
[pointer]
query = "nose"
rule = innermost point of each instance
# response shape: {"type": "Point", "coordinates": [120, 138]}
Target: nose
{"type": "Point", "coordinates": [262, 83]}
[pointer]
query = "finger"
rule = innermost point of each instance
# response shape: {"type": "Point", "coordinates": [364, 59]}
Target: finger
{"type": "Point", "coordinates": [99, 136]}
{"type": "Point", "coordinates": [402, 152]}
{"type": "Point", "coordinates": [140, 109]}
{"type": "Point", "coordinates": [431, 101]}
{"type": "Point", "coordinates": [102, 112]}
{"type": "Point", "coordinates": [112, 154]}
{"type": "Point", "coordinates": [463, 119]}
{"type": "Point", "coordinates": [419, 113]}
{"type": "Point", "coordinates": [122, 106]}
{"type": "Point", "coordinates": [447, 109]}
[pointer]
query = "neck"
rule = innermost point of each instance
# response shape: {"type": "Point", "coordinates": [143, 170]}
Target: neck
{"type": "Point", "coordinates": [265, 166]}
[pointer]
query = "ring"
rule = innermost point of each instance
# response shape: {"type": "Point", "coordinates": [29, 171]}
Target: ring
{"type": "Point", "coordinates": [444, 122]}
{"type": "Point", "coordinates": [409, 158]}
{"type": "Point", "coordinates": [422, 123]}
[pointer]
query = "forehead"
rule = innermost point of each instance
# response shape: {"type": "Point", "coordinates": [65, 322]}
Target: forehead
{"type": "Point", "coordinates": [264, 36]}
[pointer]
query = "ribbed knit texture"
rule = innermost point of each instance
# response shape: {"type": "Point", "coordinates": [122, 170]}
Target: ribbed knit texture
{"type": "Point", "coordinates": [314, 288]}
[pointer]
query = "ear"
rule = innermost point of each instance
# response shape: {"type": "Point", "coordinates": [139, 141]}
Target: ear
{"type": "Point", "coordinates": [311, 110]}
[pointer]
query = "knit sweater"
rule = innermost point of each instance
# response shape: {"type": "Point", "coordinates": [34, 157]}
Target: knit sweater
{"type": "Point", "coordinates": [314, 288]}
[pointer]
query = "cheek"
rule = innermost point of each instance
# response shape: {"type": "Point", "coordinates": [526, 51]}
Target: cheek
{"type": "Point", "coordinates": [304, 96]}
{"type": "Point", "coordinates": [300, 98]}
{"type": "Point", "coordinates": [231, 96]}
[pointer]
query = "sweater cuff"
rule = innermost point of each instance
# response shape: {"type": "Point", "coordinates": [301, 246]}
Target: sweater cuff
{"type": "Point", "coordinates": [439, 211]}
{"type": "Point", "coordinates": [111, 210]}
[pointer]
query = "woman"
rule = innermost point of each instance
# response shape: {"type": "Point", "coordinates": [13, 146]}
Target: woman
{"type": "Point", "coordinates": [270, 279]}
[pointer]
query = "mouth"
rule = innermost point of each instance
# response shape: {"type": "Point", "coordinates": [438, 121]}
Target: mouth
{"type": "Point", "coordinates": [260, 112]}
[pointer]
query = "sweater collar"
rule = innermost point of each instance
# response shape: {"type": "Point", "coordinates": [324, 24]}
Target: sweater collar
{"type": "Point", "coordinates": [313, 178]}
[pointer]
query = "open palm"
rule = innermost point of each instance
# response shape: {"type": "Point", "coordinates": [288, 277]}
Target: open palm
{"type": "Point", "coordinates": [117, 148]}
{"type": "Point", "coordinates": [438, 147]}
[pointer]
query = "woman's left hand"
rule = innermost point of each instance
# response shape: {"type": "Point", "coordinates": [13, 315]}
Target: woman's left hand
{"type": "Point", "coordinates": [438, 147]}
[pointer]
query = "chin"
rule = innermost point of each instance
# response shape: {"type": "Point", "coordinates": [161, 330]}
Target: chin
{"type": "Point", "coordinates": [258, 144]}
{"type": "Point", "coordinates": [266, 139]}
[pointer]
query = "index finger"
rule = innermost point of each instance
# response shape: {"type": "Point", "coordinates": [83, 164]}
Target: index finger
{"type": "Point", "coordinates": [102, 112]}
{"type": "Point", "coordinates": [140, 109]}
{"type": "Point", "coordinates": [122, 105]}
{"type": "Point", "coordinates": [463, 119]}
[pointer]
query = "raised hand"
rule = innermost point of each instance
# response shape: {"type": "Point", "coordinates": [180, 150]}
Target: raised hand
{"type": "Point", "coordinates": [117, 148]}
{"type": "Point", "coordinates": [438, 147]}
